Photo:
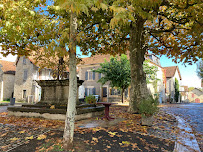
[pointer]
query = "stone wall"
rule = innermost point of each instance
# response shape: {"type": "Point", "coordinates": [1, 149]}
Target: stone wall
{"type": "Point", "coordinates": [93, 83]}
{"type": "Point", "coordinates": [8, 85]}
{"type": "Point", "coordinates": [90, 83]}
{"type": "Point", "coordinates": [195, 96]}
{"type": "Point", "coordinates": [55, 91]}
{"type": "Point", "coordinates": [20, 83]}
{"type": "Point", "coordinates": [1, 83]}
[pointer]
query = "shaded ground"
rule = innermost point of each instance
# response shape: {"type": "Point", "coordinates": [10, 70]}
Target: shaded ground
{"type": "Point", "coordinates": [123, 134]}
{"type": "Point", "coordinates": [12, 136]}
{"type": "Point", "coordinates": [193, 114]}
{"type": "Point", "coordinates": [100, 140]}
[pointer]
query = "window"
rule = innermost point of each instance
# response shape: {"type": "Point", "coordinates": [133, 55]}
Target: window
{"type": "Point", "coordinates": [115, 91]}
{"type": "Point", "coordinates": [89, 75]}
{"type": "Point", "coordinates": [90, 91]}
{"type": "Point", "coordinates": [24, 94]}
{"type": "Point", "coordinates": [24, 60]}
{"type": "Point", "coordinates": [99, 76]}
{"type": "Point", "coordinates": [25, 75]}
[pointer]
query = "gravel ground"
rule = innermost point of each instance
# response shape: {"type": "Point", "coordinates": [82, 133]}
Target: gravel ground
{"type": "Point", "coordinates": [127, 135]}
{"type": "Point", "coordinates": [13, 136]}
{"type": "Point", "coordinates": [102, 141]}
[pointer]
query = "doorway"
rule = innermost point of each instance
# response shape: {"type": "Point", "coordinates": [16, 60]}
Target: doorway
{"type": "Point", "coordinates": [104, 94]}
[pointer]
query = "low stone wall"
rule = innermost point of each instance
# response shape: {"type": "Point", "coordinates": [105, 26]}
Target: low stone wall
{"type": "Point", "coordinates": [39, 105]}
{"type": "Point", "coordinates": [55, 114]}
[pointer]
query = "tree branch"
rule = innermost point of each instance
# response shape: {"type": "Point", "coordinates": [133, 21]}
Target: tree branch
{"type": "Point", "coordinates": [160, 30]}
{"type": "Point", "coordinates": [169, 47]}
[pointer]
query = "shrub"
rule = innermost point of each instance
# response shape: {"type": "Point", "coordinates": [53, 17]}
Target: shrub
{"type": "Point", "coordinates": [8, 99]}
{"type": "Point", "coordinates": [90, 99]}
{"type": "Point", "coordinates": [148, 106]}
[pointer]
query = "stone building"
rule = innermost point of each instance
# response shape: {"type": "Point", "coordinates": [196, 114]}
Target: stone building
{"type": "Point", "coordinates": [106, 92]}
{"type": "Point", "coordinates": [184, 93]}
{"type": "Point", "coordinates": [172, 73]}
{"type": "Point", "coordinates": [7, 79]}
{"type": "Point", "coordinates": [195, 95]}
{"type": "Point", "coordinates": [26, 88]}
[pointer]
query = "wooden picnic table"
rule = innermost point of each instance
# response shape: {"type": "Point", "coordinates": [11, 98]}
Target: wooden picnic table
{"type": "Point", "coordinates": [107, 105]}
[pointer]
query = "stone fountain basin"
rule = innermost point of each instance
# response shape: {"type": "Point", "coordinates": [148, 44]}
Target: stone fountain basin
{"type": "Point", "coordinates": [83, 111]}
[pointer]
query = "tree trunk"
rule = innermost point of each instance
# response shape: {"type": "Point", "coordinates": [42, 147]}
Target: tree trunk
{"type": "Point", "coordinates": [138, 89]}
{"type": "Point", "coordinates": [122, 91]}
{"type": "Point", "coordinates": [71, 107]}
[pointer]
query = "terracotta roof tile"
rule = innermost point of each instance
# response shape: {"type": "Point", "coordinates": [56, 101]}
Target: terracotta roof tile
{"type": "Point", "coordinates": [7, 66]}
{"type": "Point", "coordinates": [170, 71]}
{"type": "Point", "coordinates": [96, 59]}
{"type": "Point", "coordinates": [99, 58]}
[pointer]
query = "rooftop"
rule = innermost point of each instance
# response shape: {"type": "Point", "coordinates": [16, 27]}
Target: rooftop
{"type": "Point", "coordinates": [8, 67]}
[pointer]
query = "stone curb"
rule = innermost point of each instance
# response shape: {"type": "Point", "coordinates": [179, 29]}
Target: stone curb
{"type": "Point", "coordinates": [186, 141]}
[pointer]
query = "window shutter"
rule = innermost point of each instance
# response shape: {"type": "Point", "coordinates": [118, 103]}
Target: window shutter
{"type": "Point", "coordinates": [99, 75]}
{"type": "Point", "coordinates": [86, 75]}
{"type": "Point", "coordinates": [85, 92]}
{"type": "Point", "coordinates": [94, 91]}
{"type": "Point", "coordinates": [93, 75]}
{"type": "Point", "coordinates": [25, 75]}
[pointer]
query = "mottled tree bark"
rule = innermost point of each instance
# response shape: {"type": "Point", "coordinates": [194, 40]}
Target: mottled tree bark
{"type": "Point", "coordinates": [138, 89]}
{"type": "Point", "coordinates": [71, 107]}
{"type": "Point", "coordinates": [122, 91]}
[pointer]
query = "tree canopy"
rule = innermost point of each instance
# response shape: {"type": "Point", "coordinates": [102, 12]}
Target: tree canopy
{"type": "Point", "coordinates": [117, 72]}
{"type": "Point", "coordinates": [165, 27]}
{"type": "Point", "coordinates": [200, 69]}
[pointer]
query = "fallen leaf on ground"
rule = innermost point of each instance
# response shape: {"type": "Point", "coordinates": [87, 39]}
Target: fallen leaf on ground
{"type": "Point", "coordinates": [40, 137]}
{"type": "Point", "coordinates": [31, 137]}
{"type": "Point", "coordinates": [22, 132]}
{"type": "Point", "coordinates": [14, 139]}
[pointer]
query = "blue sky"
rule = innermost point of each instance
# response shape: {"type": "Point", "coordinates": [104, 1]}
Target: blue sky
{"type": "Point", "coordinates": [188, 72]}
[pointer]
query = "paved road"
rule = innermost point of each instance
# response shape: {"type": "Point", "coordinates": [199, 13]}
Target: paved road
{"type": "Point", "coordinates": [192, 113]}
{"type": "Point", "coordinates": [3, 109]}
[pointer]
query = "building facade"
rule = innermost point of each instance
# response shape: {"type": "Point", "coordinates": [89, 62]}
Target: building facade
{"type": "Point", "coordinates": [195, 95]}
{"type": "Point", "coordinates": [7, 79]}
{"type": "Point", "coordinates": [172, 73]}
{"type": "Point", "coordinates": [106, 92]}
{"type": "Point", "coordinates": [26, 87]}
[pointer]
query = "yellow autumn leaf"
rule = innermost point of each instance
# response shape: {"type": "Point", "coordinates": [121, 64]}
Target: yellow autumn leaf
{"type": "Point", "coordinates": [95, 139]}
{"type": "Point", "coordinates": [14, 139]}
{"type": "Point", "coordinates": [40, 137]}
{"type": "Point", "coordinates": [52, 107]}
{"type": "Point", "coordinates": [22, 132]}
{"type": "Point", "coordinates": [126, 142]}
{"type": "Point", "coordinates": [31, 137]}
{"type": "Point", "coordinates": [112, 133]}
